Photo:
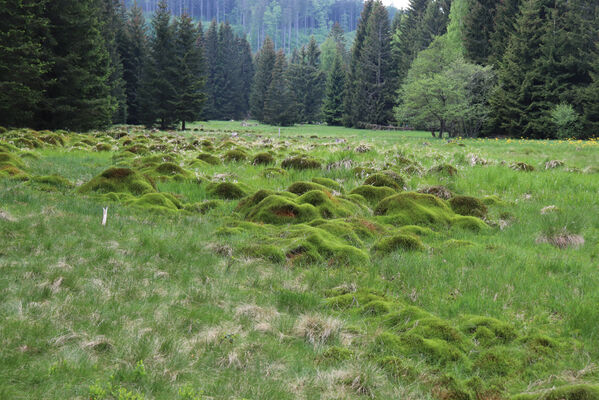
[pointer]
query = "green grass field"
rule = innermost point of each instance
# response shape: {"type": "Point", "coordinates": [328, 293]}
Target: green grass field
{"type": "Point", "coordinates": [327, 263]}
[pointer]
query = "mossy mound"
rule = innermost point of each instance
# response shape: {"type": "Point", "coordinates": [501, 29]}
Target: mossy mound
{"type": "Point", "coordinates": [53, 139]}
{"type": "Point", "coordinates": [498, 361]}
{"type": "Point", "coordinates": [444, 169]}
{"type": "Point", "coordinates": [161, 202]}
{"type": "Point", "coordinates": [437, 351]}
{"type": "Point", "coordinates": [203, 207]}
{"type": "Point", "coordinates": [103, 147]}
{"type": "Point", "coordinates": [467, 205]}
{"type": "Point", "coordinates": [273, 172]}
{"type": "Point", "coordinates": [300, 188]}
{"type": "Point", "coordinates": [226, 190]}
{"type": "Point", "coordinates": [336, 354]}
{"type": "Point", "coordinates": [301, 162]}
{"type": "Point", "coordinates": [9, 159]}
{"type": "Point", "coordinates": [491, 331]}
{"type": "Point", "coordinates": [209, 158]}
{"type": "Point", "coordinates": [329, 183]}
{"type": "Point", "coordinates": [263, 159]}
{"type": "Point", "coordinates": [235, 155]}
{"type": "Point", "coordinates": [51, 182]}
{"type": "Point", "coordinates": [423, 209]}
{"type": "Point", "coordinates": [568, 392]}
{"type": "Point", "coordinates": [277, 209]}
{"type": "Point", "coordinates": [118, 180]}
{"type": "Point", "coordinates": [339, 228]}
{"type": "Point", "coordinates": [137, 149]}
{"type": "Point", "coordinates": [312, 245]}
{"type": "Point", "coordinates": [328, 206]}
{"type": "Point", "coordinates": [399, 242]}
{"type": "Point", "coordinates": [440, 191]}
{"type": "Point", "coordinates": [264, 251]}
{"type": "Point", "coordinates": [384, 180]}
{"type": "Point", "coordinates": [12, 172]}
{"type": "Point", "coordinates": [416, 230]}
{"type": "Point", "coordinates": [169, 170]}
{"type": "Point", "coordinates": [373, 194]}
{"type": "Point", "coordinates": [8, 148]}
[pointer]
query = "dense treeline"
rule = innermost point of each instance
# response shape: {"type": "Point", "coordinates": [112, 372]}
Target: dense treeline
{"type": "Point", "coordinates": [289, 23]}
{"type": "Point", "coordinates": [520, 68]}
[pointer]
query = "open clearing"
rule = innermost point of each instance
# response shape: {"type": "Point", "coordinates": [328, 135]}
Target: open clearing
{"type": "Point", "coordinates": [322, 263]}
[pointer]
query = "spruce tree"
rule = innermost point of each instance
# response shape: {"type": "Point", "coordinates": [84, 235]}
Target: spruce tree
{"type": "Point", "coordinates": [190, 66]}
{"type": "Point", "coordinates": [514, 103]}
{"type": "Point", "coordinates": [279, 105]}
{"type": "Point", "coordinates": [113, 30]}
{"type": "Point", "coordinates": [159, 89]}
{"type": "Point", "coordinates": [135, 56]}
{"type": "Point", "coordinates": [505, 19]}
{"type": "Point", "coordinates": [214, 73]}
{"type": "Point", "coordinates": [478, 28]}
{"type": "Point", "coordinates": [78, 95]}
{"type": "Point", "coordinates": [376, 83]}
{"type": "Point", "coordinates": [351, 101]}
{"type": "Point", "coordinates": [22, 63]}
{"type": "Point", "coordinates": [246, 76]}
{"type": "Point", "coordinates": [307, 82]}
{"type": "Point", "coordinates": [265, 62]}
{"type": "Point", "coordinates": [228, 83]}
{"type": "Point", "coordinates": [333, 104]}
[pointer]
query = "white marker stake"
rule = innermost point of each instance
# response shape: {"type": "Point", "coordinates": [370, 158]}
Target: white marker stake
{"type": "Point", "coordinates": [279, 132]}
{"type": "Point", "coordinates": [104, 215]}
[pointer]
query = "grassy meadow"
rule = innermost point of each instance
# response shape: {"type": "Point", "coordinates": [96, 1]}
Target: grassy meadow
{"type": "Point", "coordinates": [318, 263]}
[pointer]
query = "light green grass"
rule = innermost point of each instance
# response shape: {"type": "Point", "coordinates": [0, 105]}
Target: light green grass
{"type": "Point", "coordinates": [176, 304]}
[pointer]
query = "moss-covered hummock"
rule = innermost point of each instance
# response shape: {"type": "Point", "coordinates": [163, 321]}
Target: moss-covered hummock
{"type": "Point", "coordinates": [329, 183]}
{"type": "Point", "coordinates": [301, 162]}
{"type": "Point", "coordinates": [381, 179]}
{"type": "Point", "coordinates": [444, 169]}
{"type": "Point", "coordinates": [277, 209]}
{"type": "Point", "coordinates": [567, 392]}
{"type": "Point", "coordinates": [235, 155]}
{"type": "Point", "coordinates": [226, 190]}
{"type": "Point", "coordinates": [466, 205]}
{"type": "Point", "coordinates": [423, 209]}
{"type": "Point", "coordinates": [373, 194]}
{"type": "Point", "coordinates": [399, 242]}
{"type": "Point", "coordinates": [300, 188]}
{"type": "Point", "coordinates": [263, 159]}
{"type": "Point", "coordinates": [161, 202]}
{"type": "Point", "coordinates": [118, 180]}
{"type": "Point", "coordinates": [209, 158]}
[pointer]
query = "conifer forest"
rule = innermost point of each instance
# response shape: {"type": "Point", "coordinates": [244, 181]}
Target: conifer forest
{"type": "Point", "coordinates": [299, 199]}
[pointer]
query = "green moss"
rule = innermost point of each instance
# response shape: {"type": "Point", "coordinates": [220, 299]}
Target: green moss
{"type": "Point", "coordinates": [301, 162]}
{"type": "Point", "coordinates": [469, 223]}
{"type": "Point", "coordinates": [498, 361]}
{"type": "Point", "coordinates": [440, 191]}
{"type": "Point", "coordinates": [103, 147]}
{"type": "Point", "coordinates": [503, 332]}
{"type": "Point", "coordinates": [336, 354]}
{"type": "Point", "coordinates": [118, 180]}
{"type": "Point", "coordinates": [203, 207]}
{"type": "Point", "coordinates": [161, 202]}
{"type": "Point", "coordinates": [409, 344]}
{"type": "Point", "coordinates": [226, 190]}
{"type": "Point", "coordinates": [137, 149]}
{"type": "Point", "coordinates": [405, 317]}
{"type": "Point", "coordinates": [416, 230]}
{"type": "Point", "coordinates": [373, 194]}
{"type": "Point", "coordinates": [235, 156]}
{"type": "Point", "coordinates": [309, 244]}
{"type": "Point", "coordinates": [300, 188]}
{"type": "Point", "coordinates": [265, 252]}
{"type": "Point", "coordinates": [376, 307]}
{"type": "Point", "coordinates": [263, 159]}
{"type": "Point", "coordinates": [457, 244]}
{"type": "Point", "coordinates": [399, 242]}
{"type": "Point", "coordinates": [342, 301]}
{"type": "Point", "coordinates": [340, 229]}
{"type": "Point", "coordinates": [437, 328]}
{"type": "Point", "coordinates": [273, 172]}
{"type": "Point", "coordinates": [398, 367]}
{"type": "Point", "coordinates": [568, 392]}
{"type": "Point", "coordinates": [467, 205]}
{"type": "Point", "coordinates": [169, 171]}
{"type": "Point", "coordinates": [329, 183]}
{"type": "Point", "coordinates": [53, 139]}
{"type": "Point", "coordinates": [444, 169]}
{"type": "Point", "coordinates": [328, 206]}
{"type": "Point", "coordinates": [51, 181]}
{"type": "Point", "coordinates": [209, 158]}
{"type": "Point", "coordinates": [8, 148]}
{"type": "Point", "coordinates": [277, 209]}
{"type": "Point", "coordinates": [415, 209]}
{"type": "Point", "coordinates": [493, 201]}
{"type": "Point", "coordinates": [383, 180]}
{"type": "Point", "coordinates": [12, 172]}
{"type": "Point", "coordinates": [9, 159]}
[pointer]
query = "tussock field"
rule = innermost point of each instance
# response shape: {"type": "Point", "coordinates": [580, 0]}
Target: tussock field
{"type": "Point", "coordinates": [238, 262]}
